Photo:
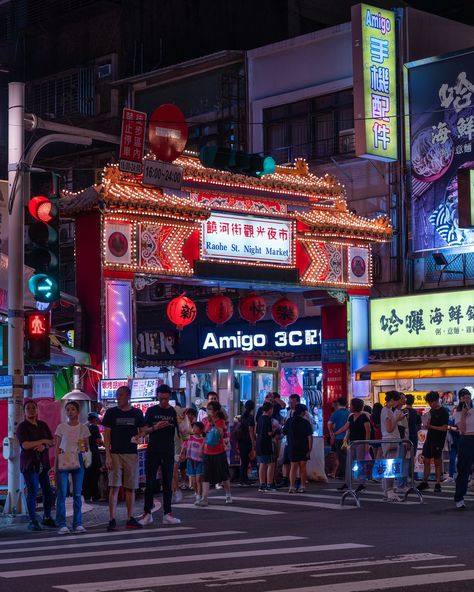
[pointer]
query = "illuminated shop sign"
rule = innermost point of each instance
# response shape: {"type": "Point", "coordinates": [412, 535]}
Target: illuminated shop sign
{"type": "Point", "coordinates": [247, 239]}
{"type": "Point", "coordinates": [304, 336]}
{"type": "Point", "coordinates": [427, 320]}
{"type": "Point", "coordinates": [108, 388]}
{"type": "Point", "coordinates": [375, 80]}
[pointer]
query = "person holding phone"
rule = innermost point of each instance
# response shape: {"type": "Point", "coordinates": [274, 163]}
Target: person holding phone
{"type": "Point", "coordinates": [464, 419]}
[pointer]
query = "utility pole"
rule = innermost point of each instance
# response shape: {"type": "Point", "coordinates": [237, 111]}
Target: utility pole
{"type": "Point", "coordinates": [19, 165]}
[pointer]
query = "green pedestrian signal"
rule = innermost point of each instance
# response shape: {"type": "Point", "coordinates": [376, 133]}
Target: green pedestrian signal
{"type": "Point", "coordinates": [237, 161]}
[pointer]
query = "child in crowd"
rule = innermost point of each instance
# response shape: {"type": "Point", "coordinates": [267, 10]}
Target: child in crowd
{"type": "Point", "coordinates": [192, 453]}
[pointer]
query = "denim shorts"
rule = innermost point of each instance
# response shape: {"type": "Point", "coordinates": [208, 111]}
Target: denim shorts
{"type": "Point", "coordinates": [194, 468]}
{"type": "Point", "coordinates": [265, 459]}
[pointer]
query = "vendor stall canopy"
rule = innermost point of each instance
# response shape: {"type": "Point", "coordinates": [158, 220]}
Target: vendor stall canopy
{"type": "Point", "coordinates": [165, 226]}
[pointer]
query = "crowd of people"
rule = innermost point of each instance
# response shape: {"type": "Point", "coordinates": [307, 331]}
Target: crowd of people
{"type": "Point", "coordinates": [195, 446]}
{"type": "Point", "coordinates": [381, 429]}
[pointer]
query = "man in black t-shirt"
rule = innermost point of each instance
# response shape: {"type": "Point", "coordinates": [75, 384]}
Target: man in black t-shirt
{"type": "Point", "coordinates": [161, 424]}
{"type": "Point", "coordinates": [122, 425]}
{"type": "Point", "coordinates": [264, 447]}
{"type": "Point", "coordinates": [437, 425]}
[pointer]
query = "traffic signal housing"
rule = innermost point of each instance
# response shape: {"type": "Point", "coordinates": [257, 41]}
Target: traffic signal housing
{"type": "Point", "coordinates": [42, 223]}
{"type": "Point", "coordinates": [37, 330]}
{"type": "Point", "coordinates": [237, 161]}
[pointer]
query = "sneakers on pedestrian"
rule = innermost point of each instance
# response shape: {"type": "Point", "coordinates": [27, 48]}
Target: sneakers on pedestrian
{"type": "Point", "coordinates": [49, 522]}
{"type": "Point", "coordinates": [291, 490]}
{"type": "Point", "coordinates": [34, 526]}
{"type": "Point", "coordinates": [422, 486]}
{"type": "Point", "coordinates": [79, 529]}
{"type": "Point", "coordinates": [449, 480]}
{"type": "Point", "coordinates": [177, 497]}
{"type": "Point", "coordinates": [219, 486]}
{"type": "Point", "coordinates": [228, 499]}
{"type": "Point", "coordinates": [301, 490]}
{"type": "Point", "coordinates": [360, 488]}
{"type": "Point", "coordinates": [393, 497]}
{"type": "Point", "coordinates": [262, 487]}
{"type": "Point", "coordinates": [112, 525]}
{"type": "Point", "coordinates": [170, 519]}
{"type": "Point", "coordinates": [202, 503]}
{"type": "Point", "coordinates": [270, 489]}
{"type": "Point", "coordinates": [64, 530]}
{"type": "Point", "coordinates": [460, 505]}
{"type": "Point", "coordinates": [146, 519]}
{"type": "Point", "coordinates": [437, 488]}
{"type": "Point", "coordinates": [133, 523]}
{"type": "Point", "coordinates": [342, 487]}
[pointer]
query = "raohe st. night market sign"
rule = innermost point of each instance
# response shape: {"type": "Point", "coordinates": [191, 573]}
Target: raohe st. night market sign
{"type": "Point", "coordinates": [426, 320]}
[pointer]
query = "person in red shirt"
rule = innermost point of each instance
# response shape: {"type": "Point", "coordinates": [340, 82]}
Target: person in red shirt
{"type": "Point", "coordinates": [216, 467]}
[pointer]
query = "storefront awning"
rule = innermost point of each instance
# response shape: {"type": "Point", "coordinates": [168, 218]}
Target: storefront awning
{"type": "Point", "coordinates": [391, 369]}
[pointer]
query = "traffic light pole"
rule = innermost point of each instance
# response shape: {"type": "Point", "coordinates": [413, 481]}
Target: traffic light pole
{"type": "Point", "coordinates": [19, 165]}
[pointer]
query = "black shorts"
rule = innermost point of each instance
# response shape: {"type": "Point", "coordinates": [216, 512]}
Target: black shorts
{"type": "Point", "coordinates": [432, 450]}
{"type": "Point", "coordinates": [216, 468]}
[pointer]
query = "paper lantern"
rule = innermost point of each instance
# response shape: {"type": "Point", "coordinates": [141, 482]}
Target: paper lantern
{"type": "Point", "coordinates": [252, 308]}
{"type": "Point", "coordinates": [219, 309]}
{"type": "Point", "coordinates": [181, 311]}
{"type": "Point", "coordinates": [284, 312]}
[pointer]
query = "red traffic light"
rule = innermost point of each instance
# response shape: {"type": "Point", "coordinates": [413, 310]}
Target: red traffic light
{"type": "Point", "coordinates": [41, 208]}
{"type": "Point", "coordinates": [37, 325]}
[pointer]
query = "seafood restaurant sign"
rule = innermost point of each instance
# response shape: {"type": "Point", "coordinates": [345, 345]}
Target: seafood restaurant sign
{"type": "Point", "coordinates": [441, 101]}
{"type": "Point", "coordinates": [247, 239]}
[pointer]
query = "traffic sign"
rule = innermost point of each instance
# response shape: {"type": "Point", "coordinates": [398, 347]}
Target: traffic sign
{"type": "Point", "coordinates": [132, 141]}
{"type": "Point", "coordinates": [167, 132]}
{"type": "Point", "coordinates": [162, 174]}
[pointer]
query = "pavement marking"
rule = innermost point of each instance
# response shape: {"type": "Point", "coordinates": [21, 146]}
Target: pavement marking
{"type": "Point", "coordinates": [246, 582]}
{"type": "Point", "coordinates": [296, 503]}
{"type": "Point", "coordinates": [326, 496]}
{"type": "Point", "coordinates": [439, 566]}
{"type": "Point", "coordinates": [98, 567]}
{"type": "Point", "coordinates": [150, 549]}
{"type": "Point", "coordinates": [125, 541]}
{"type": "Point", "coordinates": [195, 579]}
{"type": "Point", "coordinates": [238, 509]}
{"type": "Point", "coordinates": [336, 575]}
{"type": "Point", "coordinates": [40, 539]}
{"type": "Point", "coordinates": [387, 583]}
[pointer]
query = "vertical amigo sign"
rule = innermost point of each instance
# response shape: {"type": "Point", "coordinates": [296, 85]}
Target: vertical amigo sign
{"type": "Point", "coordinates": [132, 141]}
{"type": "Point", "coordinates": [374, 72]}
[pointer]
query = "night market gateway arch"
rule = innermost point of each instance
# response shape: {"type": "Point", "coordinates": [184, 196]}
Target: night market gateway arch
{"type": "Point", "coordinates": [286, 234]}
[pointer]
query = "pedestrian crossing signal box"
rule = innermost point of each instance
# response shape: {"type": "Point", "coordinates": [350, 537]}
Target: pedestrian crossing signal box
{"type": "Point", "coordinates": [37, 330]}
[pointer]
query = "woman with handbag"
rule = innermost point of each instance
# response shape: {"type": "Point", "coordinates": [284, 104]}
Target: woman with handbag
{"type": "Point", "coordinates": [72, 438]}
{"type": "Point", "coordinates": [216, 467]}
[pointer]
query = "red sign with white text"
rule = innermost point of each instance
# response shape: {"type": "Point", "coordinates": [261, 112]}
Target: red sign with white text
{"type": "Point", "coordinates": [132, 141]}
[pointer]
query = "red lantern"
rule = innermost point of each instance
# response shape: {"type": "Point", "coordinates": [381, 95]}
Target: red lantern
{"type": "Point", "coordinates": [252, 308]}
{"type": "Point", "coordinates": [219, 309]}
{"type": "Point", "coordinates": [284, 312]}
{"type": "Point", "coordinates": [181, 311]}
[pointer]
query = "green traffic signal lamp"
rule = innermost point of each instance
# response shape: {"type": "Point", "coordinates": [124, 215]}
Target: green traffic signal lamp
{"type": "Point", "coordinates": [43, 287]}
{"type": "Point", "coordinates": [237, 161]}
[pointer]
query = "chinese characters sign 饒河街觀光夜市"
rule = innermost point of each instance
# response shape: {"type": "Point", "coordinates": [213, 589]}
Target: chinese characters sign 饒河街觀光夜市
{"type": "Point", "coordinates": [375, 82]}
{"type": "Point", "coordinates": [441, 105]}
{"type": "Point", "coordinates": [247, 239]}
{"type": "Point", "coordinates": [427, 320]}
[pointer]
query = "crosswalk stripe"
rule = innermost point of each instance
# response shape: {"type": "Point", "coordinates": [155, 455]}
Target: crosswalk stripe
{"type": "Point", "coordinates": [387, 583]}
{"type": "Point", "coordinates": [297, 503]}
{"type": "Point", "coordinates": [169, 560]}
{"type": "Point", "coordinates": [41, 539]}
{"type": "Point", "coordinates": [233, 508]}
{"type": "Point", "coordinates": [125, 541]}
{"type": "Point", "coordinates": [243, 574]}
{"type": "Point", "coordinates": [152, 549]}
{"type": "Point", "coordinates": [327, 496]}
{"type": "Point", "coordinates": [439, 566]}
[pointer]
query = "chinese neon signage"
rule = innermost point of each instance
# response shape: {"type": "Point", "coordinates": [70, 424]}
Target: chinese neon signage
{"type": "Point", "coordinates": [427, 320]}
{"type": "Point", "coordinates": [374, 71]}
{"type": "Point", "coordinates": [247, 239]}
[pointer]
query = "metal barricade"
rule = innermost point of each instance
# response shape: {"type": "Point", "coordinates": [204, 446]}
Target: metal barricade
{"type": "Point", "coordinates": [380, 461]}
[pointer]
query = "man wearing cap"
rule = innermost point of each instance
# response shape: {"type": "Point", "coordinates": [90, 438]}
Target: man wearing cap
{"type": "Point", "coordinates": [90, 487]}
{"type": "Point", "coordinates": [161, 425]}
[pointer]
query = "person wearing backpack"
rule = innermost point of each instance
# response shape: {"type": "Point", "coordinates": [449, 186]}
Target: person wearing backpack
{"type": "Point", "coordinates": [244, 433]}
{"type": "Point", "coordinates": [216, 467]}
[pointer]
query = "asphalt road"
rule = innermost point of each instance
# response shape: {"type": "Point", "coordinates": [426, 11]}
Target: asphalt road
{"type": "Point", "coordinates": [266, 542]}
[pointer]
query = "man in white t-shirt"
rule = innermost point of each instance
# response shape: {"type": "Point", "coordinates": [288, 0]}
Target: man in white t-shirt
{"type": "Point", "coordinates": [389, 420]}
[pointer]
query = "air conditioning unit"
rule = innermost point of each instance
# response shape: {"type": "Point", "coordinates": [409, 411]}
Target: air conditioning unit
{"type": "Point", "coordinates": [104, 71]}
{"type": "Point", "coordinates": [346, 141]}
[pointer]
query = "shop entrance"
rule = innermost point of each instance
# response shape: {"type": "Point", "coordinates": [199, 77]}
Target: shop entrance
{"type": "Point", "coordinates": [236, 376]}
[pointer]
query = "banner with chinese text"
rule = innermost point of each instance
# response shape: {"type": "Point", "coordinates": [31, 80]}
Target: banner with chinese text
{"type": "Point", "coordinates": [441, 105]}
{"type": "Point", "coordinates": [425, 320]}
